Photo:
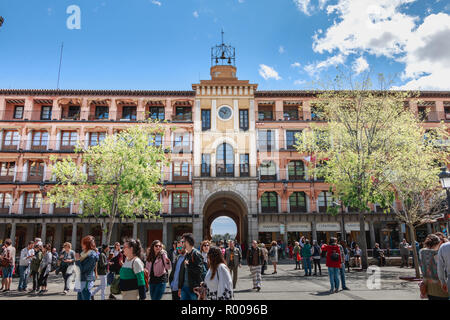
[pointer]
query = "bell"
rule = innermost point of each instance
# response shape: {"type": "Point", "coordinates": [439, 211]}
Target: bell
{"type": "Point", "coordinates": [223, 56]}
{"type": "Point", "coordinates": [229, 60]}
{"type": "Point", "coordinates": [217, 61]}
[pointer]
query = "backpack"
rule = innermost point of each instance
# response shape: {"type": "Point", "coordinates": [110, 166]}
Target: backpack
{"type": "Point", "coordinates": [6, 260]}
{"type": "Point", "coordinates": [334, 255]}
{"type": "Point", "coordinates": [146, 277]}
{"type": "Point", "coordinates": [204, 271]}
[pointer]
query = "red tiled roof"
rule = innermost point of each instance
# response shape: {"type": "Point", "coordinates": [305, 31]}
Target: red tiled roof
{"type": "Point", "coordinates": [51, 92]}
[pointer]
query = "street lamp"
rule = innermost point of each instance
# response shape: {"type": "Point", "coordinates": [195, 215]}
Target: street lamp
{"type": "Point", "coordinates": [444, 176]}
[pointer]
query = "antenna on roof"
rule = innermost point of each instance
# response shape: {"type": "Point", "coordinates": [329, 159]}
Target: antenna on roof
{"type": "Point", "coordinates": [60, 62]}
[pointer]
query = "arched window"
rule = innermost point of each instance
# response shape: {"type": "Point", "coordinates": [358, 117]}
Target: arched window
{"type": "Point", "coordinates": [296, 170]}
{"type": "Point", "coordinates": [268, 170]}
{"type": "Point", "coordinates": [297, 202]}
{"type": "Point", "coordinates": [225, 161]}
{"type": "Point", "coordinates": [269, 202]}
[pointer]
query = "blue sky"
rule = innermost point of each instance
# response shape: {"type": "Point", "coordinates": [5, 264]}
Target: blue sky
{"type": "Point", "coordinates": [222, 225]}
{"type": "Point", "coordinates": [280, 44]}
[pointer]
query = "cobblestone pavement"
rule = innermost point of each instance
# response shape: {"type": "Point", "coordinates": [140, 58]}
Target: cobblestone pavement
{"type": "Point", "coordinates": [287, 284]}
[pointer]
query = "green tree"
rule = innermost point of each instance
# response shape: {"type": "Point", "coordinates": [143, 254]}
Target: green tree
{"type": "Point", "coordinates": [363, 130]}
{"type": "Point", "coordinates": [121, 177]}
{"type": "Point", "coordinates": [413, 175]}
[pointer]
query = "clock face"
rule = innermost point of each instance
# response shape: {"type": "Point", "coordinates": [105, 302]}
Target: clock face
{"type": "Point", "coordinates": [225, 113]}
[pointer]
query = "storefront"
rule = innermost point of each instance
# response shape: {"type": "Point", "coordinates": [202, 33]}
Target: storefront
{"type": "Point", "coordinates": [326, 230]}
{"type": "Point", "coordinates": [352, 231]}
{"type": "Point", "coordinates": [297, 230]}
{"type": "Point", "coordinates": [269, 232]}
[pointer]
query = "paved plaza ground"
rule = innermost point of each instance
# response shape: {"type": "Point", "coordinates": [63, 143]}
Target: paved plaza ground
{"type": "Point", "coordinates": [287, 284]}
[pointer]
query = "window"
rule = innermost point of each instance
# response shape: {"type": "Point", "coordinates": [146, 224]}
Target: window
{"type": "Point", "coordinates": [129, 113]}
{"type": "Point", "coordinates": [5, 201]}
{"type": "Point", "coordinates": [206, 165]}
{"type": "Point", "coordinates": [291, 139]}
{"type": "Point", "coordinates": [266, 140]}
{"type": "Point", "coordinates": [225, 161]}
{"type": "Point", "coordinates": [243, 119]}
{"type": "Point", "coordinates": [33, 200]}
{"type": "Point", "coordinates": [180, 171]}
{"type": "Point", "coordinates": [268, 170]}
{"type": "Point", "coordinates": [46, 112]}
{"type": "Point", "coordinates": [180, 202]}
{"type": "Point", "coordinates": [183, 113]}
{"type": "Point", "coordinates": [423, 113]}
{"type": "Point", "coordinates": [297, 202]}
{"type": "Point", "coordinates": [206, 119]}
{"type": "Point", "coordinates": [447, 113]}
{"type": "Point", "coordinates": [317, 113]}
{"type": "Point", "coordinates": [36, 171]}
{"type": "Point", "coordinates": [155, 140]}
{"type": "Point", "coordinates": [95, 138]}
{"type": "Point", "coordinates": [18, 112]}
{"type": "Point", "coordinates": [290, 113]}
{"type": "Point", "coordinates": [325, 199]}
{"type": "Point", "coordinates": [269, 202]}
{"type": "Point", "coordinates": [7, 171]}
{"type": "Point", "coordinates": [157, 113]}
{"type": "Point", "coordinates": [181, 142]}
{"type": "Point", "coordinates": [265, 113]}
{"type": "Point", "coordinates": [73, 113]}
{"type": "Point", "coordinates": [68, 140]}
{"type": "Point", "coordinates": [39, 140]}
{"type": "Point", "coordinates": [101, 112]}
{"type": "Point", "coordinates": [11, 140]}
{"type": "Point", "coordinates": [296, 170]}
{"type": "Point", "coordinates": [244, 165]}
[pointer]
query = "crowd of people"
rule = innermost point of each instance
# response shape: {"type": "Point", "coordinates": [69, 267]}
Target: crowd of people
{"type": "Point", "coordinates": [208, 271]}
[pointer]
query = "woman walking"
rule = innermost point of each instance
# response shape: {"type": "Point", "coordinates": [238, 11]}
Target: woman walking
{"type": "Point", "coordinates": [34, 267]}
{"type": "Point", "coordinates": [431, 287]}
{"type": "Point", "coordinates": [67, 257]}
{"type": "Point", "coordinates": [357, 256]}
{"type": "Point", "coordinates": [219, 285]}
{"type": "Point", "coordinates": [86, 262]}
{"type": "Point", "coordinates": [45, 267]}
{"type": "Point", "coordinates": [273, 255]}
{"type": "Point", "coordinates": [158, 264]}
{"type": "Point", "coordinates": [204, 249]}
{"type": "Point", "coordinates": [102, 271]}
{"type": "Point", "coordinates": [132, 281]}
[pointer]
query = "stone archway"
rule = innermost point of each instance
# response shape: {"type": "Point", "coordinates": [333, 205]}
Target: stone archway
{"type": "Point", "coordinates": [229, 204]}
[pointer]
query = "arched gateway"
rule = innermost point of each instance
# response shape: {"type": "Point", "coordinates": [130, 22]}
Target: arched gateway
{"type": "Point", "coordinates": [230, 204]}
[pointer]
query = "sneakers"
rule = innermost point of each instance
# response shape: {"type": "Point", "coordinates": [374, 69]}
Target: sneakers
{"type": "Point", "coordinates": [32, 291]}
{"type": "Point", "coordinates": [336, 291]}
{"type": "Point", "coordinates": [111, 297]}
{"type": "Point", "coordinates": [345, 288]}
{"type": "Point", "coordinates": [65, 291]}
{"type": "Point", "coordinates": [274, 272]}
{"type": "Point", "coordinates": [258, 289]}
{"type": "Point", "coordinates": [331, 291]}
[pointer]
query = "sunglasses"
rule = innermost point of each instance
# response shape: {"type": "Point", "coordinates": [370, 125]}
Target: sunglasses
{"type": "Point", "coordinates": [158, 245]}
{"type": "Point", "coordinates": [206, 245]}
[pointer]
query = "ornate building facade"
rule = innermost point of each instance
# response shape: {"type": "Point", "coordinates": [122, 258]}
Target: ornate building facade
{"type": "Point", "coordinates": [231, 151]}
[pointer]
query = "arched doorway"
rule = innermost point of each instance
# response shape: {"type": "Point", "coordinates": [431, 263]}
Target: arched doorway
{"type": "Point", "coordinates": [223, 228]}
{"type": "Point", "coordinates": [227, 204]}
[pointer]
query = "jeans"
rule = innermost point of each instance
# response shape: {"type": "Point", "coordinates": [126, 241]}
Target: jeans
{"type": "Point", "coordinates": [23, 277]}
{"type": "Point", "coordinates": [157, 290]}
{"type": "Point", "coordinates": [307, 266]}
{"type": "Point", "coordinates": [35, 275]}
{"type": "Point", "coordinates": [342, 274]}
{"type": "Point", "coordinates": [85, 293]}
{"type": "Point", "coordinates": [187, 294]}
{"type": "Point", "coordinates": [102, 287]}
{"type": "Point", "coordinates": [333, 273]}
{"type": "Point", "coordinates": [66, 277]}
{"type": "Point", "coordinates": [405, 260]}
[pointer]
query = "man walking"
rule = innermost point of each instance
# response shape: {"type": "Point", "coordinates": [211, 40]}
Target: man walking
{"type": "Point", "coordinates": [254, 261]}
{"type": "Point", "coordinates": [233, 258]}
{"type": "Point", "coordinates": [404, 253]}
{"type": "Point", "coordinates": [443, 266]}
{"type": "Point", "coordinates": [192, 276]}
{"type": "Point", "coordinates": [26, 255]}
{"type": "Point", "coordinates": [177, 271]}
{"type": "Point", "coordinates": [306, 256]}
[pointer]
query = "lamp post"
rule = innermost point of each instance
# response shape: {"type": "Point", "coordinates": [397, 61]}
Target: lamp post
{"type": "Point", "coordinates": [444, 177]}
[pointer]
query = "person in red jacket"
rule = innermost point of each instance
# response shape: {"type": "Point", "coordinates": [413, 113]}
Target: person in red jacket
{"type": "Point", "coordinates": [333, 263]}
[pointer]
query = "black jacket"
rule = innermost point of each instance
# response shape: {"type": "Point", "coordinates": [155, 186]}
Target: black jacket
{"type": "Point", "coordinates": [251, 257]}
{"type": "Point", "coordinates": [194, 267]}
{"type": "Point", "coordinates": [102, 265]}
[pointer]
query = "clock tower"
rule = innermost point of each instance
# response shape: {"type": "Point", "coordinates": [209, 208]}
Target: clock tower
{"type": "Point", "coordinates": [225, 175]}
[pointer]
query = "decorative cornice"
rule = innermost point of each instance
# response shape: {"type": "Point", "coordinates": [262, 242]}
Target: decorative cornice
{"type": "Point", "coordinates": [51, 92]}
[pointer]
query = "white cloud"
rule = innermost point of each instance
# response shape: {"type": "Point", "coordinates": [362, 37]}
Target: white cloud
{"type": "Point", "coordinates": [296, 65]}
{"type": "Point", "coordinates": [360, 65]}
{"type": "Point", "coordinates": [314, 68]}
{"type": "Point", "coordinates": [299, 82]}
{"type": "Point", "coordinates": [281, 50]}
{"type": "Point", "coordinates": [307, 8]}
{"type": "Point", "coordinates": [195, 14]}
{"type": "Point", "coordinates": [268, 72]}
{"type": "Point", "coordinates": [155, 2]}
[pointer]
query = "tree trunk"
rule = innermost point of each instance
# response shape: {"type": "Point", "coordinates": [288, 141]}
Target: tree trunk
{"type": "Point", "coordinates": [110, 229]}
{"type": "Point", "coordinates": [412, 232]}
{"type": "Point", "coordinates": [362, 241]}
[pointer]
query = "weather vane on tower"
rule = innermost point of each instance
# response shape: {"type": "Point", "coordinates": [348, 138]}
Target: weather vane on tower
{"type": "Point", "coordinates": [223, 54]}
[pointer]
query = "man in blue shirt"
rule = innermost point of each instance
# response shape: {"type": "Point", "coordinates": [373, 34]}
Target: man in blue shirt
{"type": "Point", "coordinates": [174, 277]}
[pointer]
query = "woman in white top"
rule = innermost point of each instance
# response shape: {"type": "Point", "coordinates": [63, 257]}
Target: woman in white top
{"type": "Point", "coordinates": [219, 285]}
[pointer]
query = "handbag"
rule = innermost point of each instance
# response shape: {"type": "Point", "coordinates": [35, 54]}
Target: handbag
{"type": "Point", "coordinates": [115, 285]}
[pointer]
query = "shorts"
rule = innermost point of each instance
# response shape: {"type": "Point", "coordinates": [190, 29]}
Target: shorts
{"type": "Point", "coordinates": [7, 272]}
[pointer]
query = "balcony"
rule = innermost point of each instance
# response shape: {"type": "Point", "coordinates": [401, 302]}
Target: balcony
{"type": "Point", "coordinates": [4, 211]}
{"type": "Point", "coordinates": [61, 211]}
{"type": "Point", "coordinates": [70, 113]}
{"type": "Point", "coordinates": [10, 147]}
{"type": "Point", "coordinates": [39, 147]}
{"type": "Point", "coordinates": [6, 178]}
{"type": "Point", "coordinates": [32, 211]}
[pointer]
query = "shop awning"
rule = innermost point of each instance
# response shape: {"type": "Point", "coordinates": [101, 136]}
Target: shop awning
{"type": "Point", "coordinates": [299, 227]}
{"type": "Point", "coordinates": [328, 226]}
